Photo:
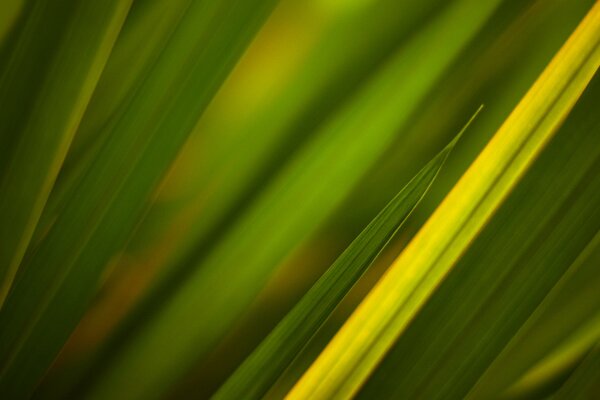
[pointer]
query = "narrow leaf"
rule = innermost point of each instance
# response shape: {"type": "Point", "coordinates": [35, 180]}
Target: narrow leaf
{"type": "Point", "coordinates": [63, 273]}
{"type": "Point", "coordinates": [145, 33]}
{"type": "Point", "coordinates": [533, 238]}
{"type": "Point", "coordinates": [381, 318]}
{"type": "Point", "coordinates": [262, 368]}
{"type": "Point", "coordinates": [40, 115]}
{"type": "Point", "coordinates": [315, 181]}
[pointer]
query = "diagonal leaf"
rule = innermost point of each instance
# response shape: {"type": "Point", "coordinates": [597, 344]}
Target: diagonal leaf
{"type": "Point", "coordinates": [363, 341]}
{"type": "Point", "coordinates": [262, 368]}
{"type": "Point", "coordinates": [45, 87]}
{"type": "Point", "coordinates": [61, 275]}
{"type": "Point", "coordinates": [533, 238]}
{"type": "Point", "coordinates": [145, 33]}
{"type": "Point", "coordinates": [315, 181]}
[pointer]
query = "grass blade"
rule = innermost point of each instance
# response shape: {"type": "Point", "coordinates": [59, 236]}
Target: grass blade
{"type": "Point", "coordinates": [260, 370]}
{"type": "Point", "coordinates": [533, 238]}
{"type": "Point", "coordinates": [40, 115]}
{"type": "Point", "coordinates": [363, 341]}
{"type": "Point", "coordinates": [148, 27]}
{"type": "Point", "coordinates": [321, 174]}
{"type": "Point", "coordinates": [63, 273]}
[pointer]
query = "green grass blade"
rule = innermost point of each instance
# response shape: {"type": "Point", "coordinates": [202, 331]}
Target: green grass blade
{"type": "Point", "coordinates": [146, 31]}
{"type": "Point", "coordinates": [61, 276]}
{"type": "Point", "coordinates": [382, 317]}
{"type": "Point", "coordinates": [533, 238]}
{"type": "Point", "coordinates": [40, 115]}
{"type": "Point", "coordinates": [321, 175]}
{"type": "Point", "coordinates": [148, 27]}
{"type": "Point", "coordinates": [262, 368]}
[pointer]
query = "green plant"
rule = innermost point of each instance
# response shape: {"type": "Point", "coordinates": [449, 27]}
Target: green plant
{"type": "Point", "coordinates": [179, 180]}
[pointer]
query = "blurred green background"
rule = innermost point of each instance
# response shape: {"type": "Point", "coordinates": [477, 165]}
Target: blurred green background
{"type": "Point", "coordinates": [380, 86]}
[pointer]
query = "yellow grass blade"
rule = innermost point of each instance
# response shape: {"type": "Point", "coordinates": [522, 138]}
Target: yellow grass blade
{"type": "Point", "coordinates": [381, 318]}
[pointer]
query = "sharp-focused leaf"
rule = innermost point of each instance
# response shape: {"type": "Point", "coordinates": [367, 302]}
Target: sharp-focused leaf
{"type": "Point", "coordinates": [533, 238]}
{"type": "Point", "coordinates": [46, 82]}
{"type": "Point", "coordinates": [315, 181]}
{"type": "Point", "coordinates": [163, 206]}
{"type": "Point", "coordinates": [497, 69]}
{"type": "Point", "coordinates": [262, 368]}
{"type": "Point", "coordinates": [372, 330]}
{"type": "Point", "coordinates": [62, 274]}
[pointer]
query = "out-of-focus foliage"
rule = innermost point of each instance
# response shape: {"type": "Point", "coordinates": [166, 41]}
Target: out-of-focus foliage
{"type": "Point", "coordinates": [176, 175]}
